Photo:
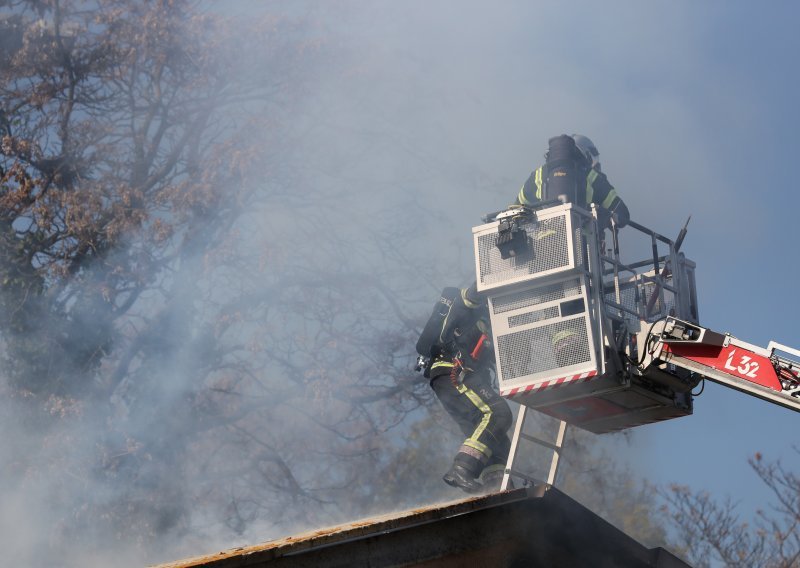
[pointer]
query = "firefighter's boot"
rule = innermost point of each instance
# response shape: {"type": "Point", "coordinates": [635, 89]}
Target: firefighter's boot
{"type": "Point", "coordinates": [461, 477]}
{"type": "Point", "coordinates": [492, 478]}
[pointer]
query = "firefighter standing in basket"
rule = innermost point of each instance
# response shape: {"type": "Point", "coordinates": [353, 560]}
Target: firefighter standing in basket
{"type": "Point", "coordinates": [572, 172]}
{"type": "Point", "coordinates": [456, 355]}
{"type": "Point", "coordinates": [572, 169]}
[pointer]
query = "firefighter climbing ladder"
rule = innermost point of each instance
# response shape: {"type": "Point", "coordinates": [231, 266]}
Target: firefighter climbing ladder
{"type": "Point", "coordinates": [520, 434]}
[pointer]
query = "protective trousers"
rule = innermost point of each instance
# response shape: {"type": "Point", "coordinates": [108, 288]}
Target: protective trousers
{"type": "Point", "coordinates": [483, 416]}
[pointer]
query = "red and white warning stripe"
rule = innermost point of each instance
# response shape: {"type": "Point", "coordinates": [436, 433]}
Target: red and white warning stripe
{"type": "Point", "coordinates": [546, 385]}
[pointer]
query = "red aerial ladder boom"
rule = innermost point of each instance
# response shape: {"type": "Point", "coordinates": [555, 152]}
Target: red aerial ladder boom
{"type": "Point", "coordinates": [772, 374]}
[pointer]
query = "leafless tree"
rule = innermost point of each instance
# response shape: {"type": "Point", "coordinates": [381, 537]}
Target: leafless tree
{"type": "Point", "coordinates": [188, 346]}
{"type": "Point", "coordinates": [713, 531]}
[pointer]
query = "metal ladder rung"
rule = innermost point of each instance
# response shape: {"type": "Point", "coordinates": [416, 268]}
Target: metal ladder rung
{"type": "Point", "coordinates": [534, 439]}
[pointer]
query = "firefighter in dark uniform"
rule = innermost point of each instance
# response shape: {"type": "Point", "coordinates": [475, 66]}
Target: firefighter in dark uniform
{"type": "Point", "coordinates": [459, 361]}
{"type": "Point", "coordinates": [572, 169]}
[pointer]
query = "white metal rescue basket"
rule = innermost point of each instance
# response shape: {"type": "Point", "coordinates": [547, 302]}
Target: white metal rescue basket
{"type": "Point", "coordinates": [565, 313]}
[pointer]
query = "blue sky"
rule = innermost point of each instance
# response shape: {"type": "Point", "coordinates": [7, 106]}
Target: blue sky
{"type": "Point", "coordinates": [693, 107]}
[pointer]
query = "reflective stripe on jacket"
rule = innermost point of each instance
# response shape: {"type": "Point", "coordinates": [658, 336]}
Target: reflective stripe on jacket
{"type": "Point", "coordinates": [598, 191]}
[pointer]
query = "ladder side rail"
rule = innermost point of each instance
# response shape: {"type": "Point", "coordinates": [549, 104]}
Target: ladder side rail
{"type": "Point", "coordinates": [512, 454]}
{"type": "Point", "coordinates": [551, 475]}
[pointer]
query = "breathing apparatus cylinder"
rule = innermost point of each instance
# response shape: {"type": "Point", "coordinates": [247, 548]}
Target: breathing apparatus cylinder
{"type": "Point", "coordinates": [565, 168]}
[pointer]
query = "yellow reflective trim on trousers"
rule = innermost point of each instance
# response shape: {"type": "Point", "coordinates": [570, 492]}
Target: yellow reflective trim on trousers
{"type": "Point", "coordinates": [521, 197]}
{"type": "Point", "coordinates": [590, 186]}
{"type": "Point", "coordinates": [478, 446]}
{"type": "Point", "coordinates": [472, 441]}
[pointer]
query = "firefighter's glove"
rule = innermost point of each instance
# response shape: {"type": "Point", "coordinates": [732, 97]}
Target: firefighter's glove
{"type": "Point", "coordinates": [619, 212]}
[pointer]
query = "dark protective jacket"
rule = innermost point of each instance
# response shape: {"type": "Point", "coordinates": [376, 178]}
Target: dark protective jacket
{"type": "Point", "coordinates": [598, 190]}
{"type": "Point", "coordinates": [458, 321]}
